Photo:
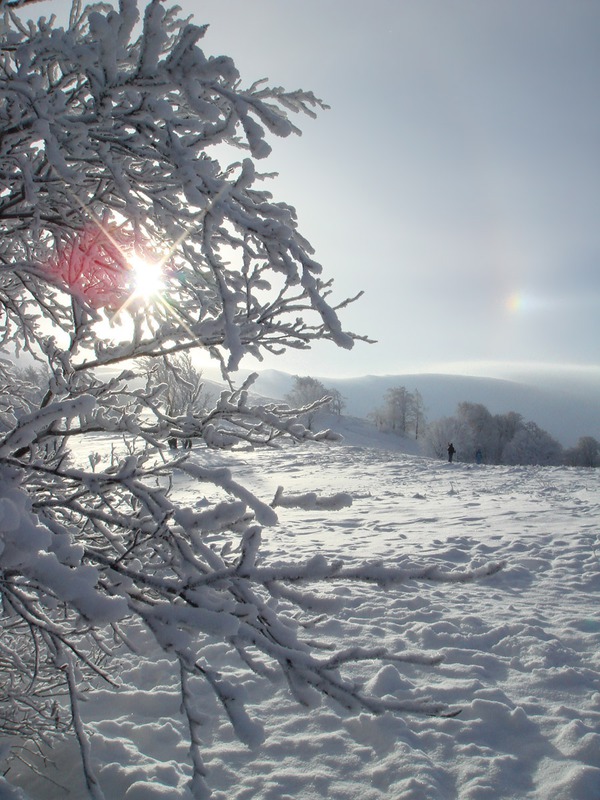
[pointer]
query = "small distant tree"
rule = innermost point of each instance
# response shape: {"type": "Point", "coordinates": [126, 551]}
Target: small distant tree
{"type": "Point", "coordinates": [305, 391]}
{"type": "Point", "coordinates": [309, 395]}
{"type": "Point", "coordinates": [402, 412]}
{"type": "Point", "coordinates": [586, 453]}
{"type": "Point", "coordinates": [180, 386]}
{"type": "Point", "coordinates": [337, 403]}
{"type": "Point", "coordinates": [418, 420]}
{"type": "Point", "coordinates": [398, 402]}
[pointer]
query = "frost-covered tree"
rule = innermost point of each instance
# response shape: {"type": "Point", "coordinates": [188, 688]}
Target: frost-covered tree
{"type": "Point", "coordinates": [125, 234]}
{"type": "Point", "coordinates": [532, 445]}
{"type": "Point", "coordinates": [478, 430]}
{"type": "Point", "coordinates": [21, 389]}
{"type": "Point", "coordinates": [402, 412]}
{"type": "Point", "coordinates": [418, 419]}
{"type": "Point", "coordinates": [337, 402]}
{"type": "Point", "coordinates": [442, 431]}
{"type": "Point", "coordinates": [178, 383]}
{"type": "Point", "coordinates": [506, 427]}
{"type": "Point", "coordinates": [310, 394]}
{"type": "Point", "coordinates": [306, 391]}
{"type": "Point", "coordinates": [501, 438]}
{"type": "Point", "coordinates": [398, 402]}
{"type": "Point", "coordinates": [586, 453]}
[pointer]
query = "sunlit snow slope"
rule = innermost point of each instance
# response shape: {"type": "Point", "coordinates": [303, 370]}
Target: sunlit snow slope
{"type": "Point", "coordinates": [521, 649]}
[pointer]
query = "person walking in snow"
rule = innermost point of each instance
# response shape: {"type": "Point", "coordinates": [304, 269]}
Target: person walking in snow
{"type": "Point", "coordinates": [451, 451]}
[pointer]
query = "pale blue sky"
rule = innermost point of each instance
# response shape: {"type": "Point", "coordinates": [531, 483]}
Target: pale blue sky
{"type": "Point", "coordinates": [456, 178]}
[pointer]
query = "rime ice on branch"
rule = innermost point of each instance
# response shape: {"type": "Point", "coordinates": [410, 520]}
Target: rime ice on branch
{"type": "Point", "coordinates": [108, 156]}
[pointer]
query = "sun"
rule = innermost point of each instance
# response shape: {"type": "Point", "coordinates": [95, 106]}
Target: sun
{"type": "Point", "coordinates": [147, 278]}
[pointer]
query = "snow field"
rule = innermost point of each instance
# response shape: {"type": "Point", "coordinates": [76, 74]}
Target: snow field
{"type": "Point", "coordinates": [521, 648]}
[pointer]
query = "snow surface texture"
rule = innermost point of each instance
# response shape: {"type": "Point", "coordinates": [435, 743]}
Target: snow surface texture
{"type": "Point", "coordinates": [521, 649]}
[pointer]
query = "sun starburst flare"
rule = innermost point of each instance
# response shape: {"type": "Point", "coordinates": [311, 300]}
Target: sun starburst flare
{"type": "Point", "coordinates": [147, 278]}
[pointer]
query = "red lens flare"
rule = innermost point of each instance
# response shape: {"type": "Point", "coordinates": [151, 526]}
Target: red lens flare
{"type": "Point", "coordinates": [92, 266]}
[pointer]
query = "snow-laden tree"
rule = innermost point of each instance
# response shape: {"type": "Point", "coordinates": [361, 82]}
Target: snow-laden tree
{"type": "Point", "coordinates": [310, 394]}
{"type": "Point", "coordinates": [506, 427]}
{"type": "Point", "coordinates": [418, 414]}
{"type": "Point", "coordinates": [533, 445]}
{"type": "Point", "coordinates": [178, 383]}
{"type": "Point", "coordinates": [126, 234]}
{"type": "Point", "coordinates": [398, 403]}
{"type": "Point", "coordinates": [586, 453]}
{"type": "Point", "coordinates": [478, 428]}
{"type": "Point", "coordinates": [441, 432]}
{"type": "Point", "coordinates": [402, 412]}
{"type": "Point", "coordinates": [501, 438]}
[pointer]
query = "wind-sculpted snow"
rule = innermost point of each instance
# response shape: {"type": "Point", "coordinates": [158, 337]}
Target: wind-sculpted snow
{"type": "Point", "coordinates": [513, 658]}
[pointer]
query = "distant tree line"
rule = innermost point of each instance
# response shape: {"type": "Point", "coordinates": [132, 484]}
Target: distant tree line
{"type": "Point", "coordinates": [498, 438]}
{"type": "Point", "coordinates": [505, 439]}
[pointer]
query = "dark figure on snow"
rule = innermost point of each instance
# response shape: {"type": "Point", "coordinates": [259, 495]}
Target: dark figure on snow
{"type": "Point", "coordinates": [479, 456]}
{"type": "Point", "coordinates": [451, 451]}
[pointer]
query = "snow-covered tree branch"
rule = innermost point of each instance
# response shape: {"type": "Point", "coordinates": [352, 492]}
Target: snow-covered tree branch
{"type": "Point", "coordinates": [125, 242]}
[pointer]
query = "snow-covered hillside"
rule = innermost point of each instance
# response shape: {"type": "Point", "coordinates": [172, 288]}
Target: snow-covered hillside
{"type": "Point", "coordinates": [521, 649]}
{"type": "Point", "coordinates": [565, 407]}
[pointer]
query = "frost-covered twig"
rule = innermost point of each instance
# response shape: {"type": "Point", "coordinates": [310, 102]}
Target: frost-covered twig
{"type": "Point", "coordinates": [198, 784]}
{"type": "Point", "coordinates": [91, 781]}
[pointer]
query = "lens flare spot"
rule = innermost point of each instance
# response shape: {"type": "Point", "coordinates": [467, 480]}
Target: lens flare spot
{"type": "Point", "coordinates": [521, 302]}
{"type": "Point", "coordinates": [514, 302]}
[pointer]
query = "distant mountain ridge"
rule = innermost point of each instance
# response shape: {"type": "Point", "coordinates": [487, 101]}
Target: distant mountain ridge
{"type": "Point", "coordinates": [566, 412]}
